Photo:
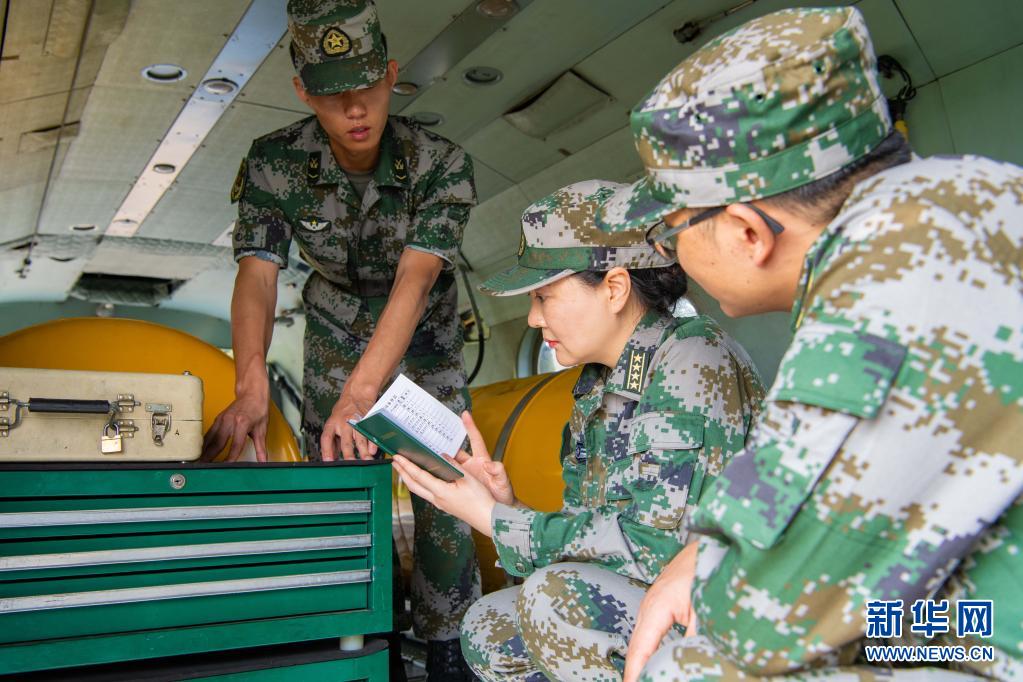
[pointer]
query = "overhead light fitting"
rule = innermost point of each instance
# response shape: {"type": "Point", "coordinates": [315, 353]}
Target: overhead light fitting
{"type": "Point", "coordinates": [255, 36]}
{"type": "Point", "coordinates": [427, 118]}
{"type": "Point", "coordinates": [165, 168]}
{"type": "Point", "coordinates": [164, 73]}
{"type": "Point", "coordinates": [105, 310]}
{"type": "Point", "coordinates": [482, 75]}
{"type": "Point", "coordinates": [219, 86]}
{"type": "Point", "coordinates": [83, 227]}
{"type": "Point", "coordinates": [405, 88]}
{"type": "Point", "coordinates": [497, 9]}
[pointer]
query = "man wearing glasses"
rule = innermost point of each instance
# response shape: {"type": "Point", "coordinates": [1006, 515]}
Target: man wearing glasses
{"type": "Point", "coordinates": [377, 206]}
{"type": "Point", "coordinates": [887, 465]}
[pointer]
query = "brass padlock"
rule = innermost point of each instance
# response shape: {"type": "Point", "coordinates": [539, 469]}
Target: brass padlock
{"type": "Point", "coordinates": [111, 445]}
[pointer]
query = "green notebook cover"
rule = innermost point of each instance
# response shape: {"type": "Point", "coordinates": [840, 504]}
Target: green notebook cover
{"type": "Point", "coordinates": [394, 440]}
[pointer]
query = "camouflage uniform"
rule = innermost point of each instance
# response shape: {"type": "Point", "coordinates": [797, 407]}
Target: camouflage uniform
{"type": "Point", "coordinates": [888, 462]}
{"type": "Point", "coordinates": [644, 439]}
{"type": "Point", "coordinates": [291, 187]}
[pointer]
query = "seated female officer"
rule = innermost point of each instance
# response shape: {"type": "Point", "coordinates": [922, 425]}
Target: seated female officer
{"type": "Point", "coordinates": [660, 406]}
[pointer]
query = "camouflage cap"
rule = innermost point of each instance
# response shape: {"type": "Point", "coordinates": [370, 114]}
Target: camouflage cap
{"type": "Point", "coordinates": [336, 45]}
{"type": "Point", "coordinates": [776, 103]}
{"type": "Point", "coordinates": [560, 237]}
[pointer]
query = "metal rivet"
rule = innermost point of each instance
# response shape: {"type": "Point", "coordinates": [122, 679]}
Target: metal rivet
{"type": "Point", "coordinates": [177, 481]}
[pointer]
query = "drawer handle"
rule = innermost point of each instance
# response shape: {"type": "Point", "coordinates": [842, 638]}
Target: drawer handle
{"type": "Point", "coordinates": [177, 552]}
{"type": "Point", "coordinates": [133, 595]}
{"type": "Point", "coordinates": [147, 514]}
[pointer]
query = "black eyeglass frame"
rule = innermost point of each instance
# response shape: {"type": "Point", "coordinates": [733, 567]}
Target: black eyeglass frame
{"type": "Point", "coordinates": [654, 240]}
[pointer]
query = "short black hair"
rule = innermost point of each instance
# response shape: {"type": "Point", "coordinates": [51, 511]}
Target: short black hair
{"type": "Point", "coordinates": [655, 288]}
{"type": "Point", "coordinates": [822, 199]}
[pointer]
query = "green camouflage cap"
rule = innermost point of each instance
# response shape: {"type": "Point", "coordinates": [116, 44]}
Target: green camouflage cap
{"type": "Point", "coordinates": [776, 103]}
{"type": "Point", "coordinates": [560, 237]}
{"type": "Point", "coordinates": [336, 45]}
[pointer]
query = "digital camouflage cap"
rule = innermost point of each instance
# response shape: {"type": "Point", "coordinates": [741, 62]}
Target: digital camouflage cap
{"type": "Point", "coordinates": [336, 45]}
{"type": "Point", "coordinates": [776, 103]}
{"type": "Point", "coordinates": [560, 236]}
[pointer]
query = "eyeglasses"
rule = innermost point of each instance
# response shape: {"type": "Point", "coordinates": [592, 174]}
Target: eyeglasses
{"type": "Point", "coordinates": [661, 238]}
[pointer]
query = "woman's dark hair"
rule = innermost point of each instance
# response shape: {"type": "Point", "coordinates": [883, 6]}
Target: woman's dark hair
{"type": "Point", "coordinates": [654, 288]}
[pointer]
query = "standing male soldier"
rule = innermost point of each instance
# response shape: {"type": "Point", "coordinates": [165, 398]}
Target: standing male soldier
{"type": "Point", "coordinates": [887, 466]}
{"type": "Point", "coordinates": [377, 206]}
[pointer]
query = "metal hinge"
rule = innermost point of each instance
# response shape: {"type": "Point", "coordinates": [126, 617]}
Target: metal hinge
{"type": "Point", "coordinates": [126, 427]}
{"type": "Point", "coordinates": [5, 401]}
{"type": "Point", "coordinates": [126, 402]}
{"type": "Point", "coordinates": [5, 427]}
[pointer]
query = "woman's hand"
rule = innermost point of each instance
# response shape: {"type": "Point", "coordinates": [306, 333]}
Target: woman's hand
{"type": "Point", "coordinates": [666, 603]}
{"type": "Point", "coordinates": [467, 498]}
{"type": "Point", "coordinates": [485, 470]}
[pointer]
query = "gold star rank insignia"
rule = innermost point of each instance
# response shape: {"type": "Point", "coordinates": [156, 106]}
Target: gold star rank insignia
{"type": "Point", "coordinates": [335, 42]}
{"type": "Point", "coordinates": [637, 371]}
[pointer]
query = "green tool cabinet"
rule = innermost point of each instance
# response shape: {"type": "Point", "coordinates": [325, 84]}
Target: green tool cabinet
{"type": "Point", "coordinates": [101, 564]}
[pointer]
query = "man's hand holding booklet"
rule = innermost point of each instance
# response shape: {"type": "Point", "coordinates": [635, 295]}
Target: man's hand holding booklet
{"type": "Point", "coordinates": [408, 421]}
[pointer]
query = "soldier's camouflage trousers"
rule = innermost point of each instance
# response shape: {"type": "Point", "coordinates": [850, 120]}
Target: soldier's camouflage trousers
{"type": "Point", "coordinates": [568, 621]}
{"type": "Point", "coordinates": [445, 573]}
{"type": "Point", "coordinates": [694, 659]}
{"type": "Point", "coordinates": [573, 621]}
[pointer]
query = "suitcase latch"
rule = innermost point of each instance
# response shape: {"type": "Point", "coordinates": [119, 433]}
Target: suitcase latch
{"type": "Point", "coordinates": [161, 425]}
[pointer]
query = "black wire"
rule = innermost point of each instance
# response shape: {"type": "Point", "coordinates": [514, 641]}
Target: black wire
{"type": "Point", "coordinates": [3, 33]}
{"type": "Point", "coordinates": [479, 326]}
{"type": "Point", "coordinates": [888, 67]}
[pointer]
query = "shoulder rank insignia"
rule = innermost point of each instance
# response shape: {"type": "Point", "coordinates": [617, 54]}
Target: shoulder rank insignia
{"type": "Point", "coordinates": [636, 376]}
{"type": "Point", "coordinates": [335, 42]}
{"type": "Point", "coordinates": [399, 169]}
{"type": "Point", "coordinates": [239, 183]}
{"type": "Point", "coordinates": [312, 169]}
{"type": "Point", "coordinates": [315, 224]}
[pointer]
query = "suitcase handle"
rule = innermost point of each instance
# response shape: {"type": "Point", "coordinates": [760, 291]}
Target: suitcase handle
{"type": "Point", "coordinates": [68, 406]}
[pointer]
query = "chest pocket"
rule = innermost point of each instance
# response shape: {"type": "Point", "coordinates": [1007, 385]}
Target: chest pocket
{"type": "Point", "coordinates": [831, 378]}
{"type": "Point", "coordinates": [668, 466]}
{"type": "Point", "coordinates": [320, 228]}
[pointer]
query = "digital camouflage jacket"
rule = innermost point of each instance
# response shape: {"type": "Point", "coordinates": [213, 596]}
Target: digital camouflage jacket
{"type": "Point", "coordinates": [645, 438]}
{"type": "Point", "coordinates": [888, 462]}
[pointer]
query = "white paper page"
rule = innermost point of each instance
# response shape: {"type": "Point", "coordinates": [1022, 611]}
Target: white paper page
{"type": "Point", "coordinates": [422, 416]}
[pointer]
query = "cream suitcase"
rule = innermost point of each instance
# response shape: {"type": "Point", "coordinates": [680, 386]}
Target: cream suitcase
{"type": "Point", "coordinates": [53, 415]}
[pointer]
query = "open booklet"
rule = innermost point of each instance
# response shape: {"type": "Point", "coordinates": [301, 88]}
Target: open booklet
{"type": "Point", "coordinates": [410, 422]}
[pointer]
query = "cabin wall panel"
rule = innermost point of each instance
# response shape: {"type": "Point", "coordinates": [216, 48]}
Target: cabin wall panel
{"type": "Point", "coordinates": [500, 352]}
{"type": "Point", "coordinates": [202, 189]}
{"type": "Point", "coordinates": [954, 34]}
{"type": "Point", "coordinates": [531, 53]}
{"type": "Point", "coordinates": [984, 104]}
{"type": "Point", "coordinates": [929, 131]}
